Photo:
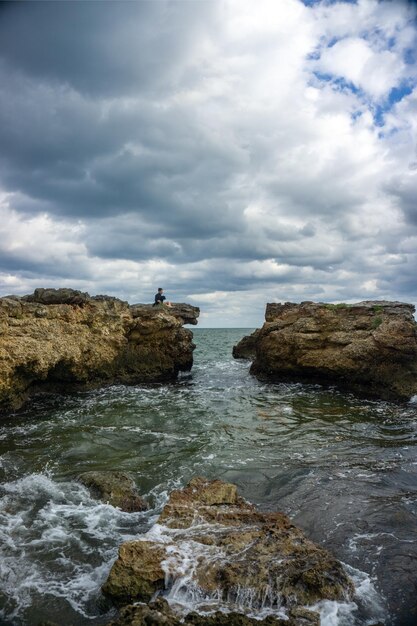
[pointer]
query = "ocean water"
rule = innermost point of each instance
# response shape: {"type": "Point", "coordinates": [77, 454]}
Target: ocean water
{"type": "Point", "coordinates": [343, 468]}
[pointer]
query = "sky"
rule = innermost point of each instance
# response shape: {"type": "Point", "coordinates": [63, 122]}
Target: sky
{"type": "Point", "coordinates": [232, 152]}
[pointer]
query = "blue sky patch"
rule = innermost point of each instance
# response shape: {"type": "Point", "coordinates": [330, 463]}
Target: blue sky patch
{"type": "Point", "coordinates": [311, 3]}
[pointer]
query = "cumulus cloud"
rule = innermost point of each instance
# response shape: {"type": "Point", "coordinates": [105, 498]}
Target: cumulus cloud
{"type": "Point", "coordinates": [235, 154]}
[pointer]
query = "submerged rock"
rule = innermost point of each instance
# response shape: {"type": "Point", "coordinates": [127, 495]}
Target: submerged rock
{"type": "Point", "coordinates": [116, 488]}
{"type": "Point", "coordinates": [370, 347]}
{"type": "Point", "coordinates": [62, 339]}
{"type": "Point", "coordinates": [159, 613]}
{"type": "Point", "coordinates": [213, 545]}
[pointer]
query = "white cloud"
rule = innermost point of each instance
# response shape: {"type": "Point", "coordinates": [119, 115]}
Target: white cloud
{"type": "Point", "coordinates": [241, 177]}
{"type": "Point", "coordinates": [354, 60]}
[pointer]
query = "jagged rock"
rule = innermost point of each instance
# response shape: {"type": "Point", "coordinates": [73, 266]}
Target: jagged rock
{"type": "Point", "coordinates": [246, 348]}
{"type": "Point", "coordinates": [179, 512]}
{"type": "Point", "coordinates": [159, 613]}
{"type": "Point", "coordinates": [61, 339]}
{"type": "Point", "coordinates": [370, 347]}
{"type": "Point", "coordinates": [137, 573]}
{"type": "Point", "coordinates": [240, 556]}
{"type": "Point", "coordinates": [116, 488]}
{"type": "Point", "coordinates": [57, 296]}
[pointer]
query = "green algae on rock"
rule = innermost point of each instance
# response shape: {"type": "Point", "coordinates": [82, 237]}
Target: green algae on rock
{"type": "Point", "coordinates": [63, 340]}
{"type": "Point", "coordinates": [116, 488]}
{"type": "Point", "coordinates": [214, 544]}
{"type": "Point", "coordinates": [369, 347]}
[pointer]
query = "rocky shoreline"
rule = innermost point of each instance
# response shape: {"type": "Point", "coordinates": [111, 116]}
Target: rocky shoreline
{"type": "Point", "coordinates": [211, 545]}
{"type": "Point", "coordinates": [57, 340]}
{"type": "Point", "coordinates": [369, 347]}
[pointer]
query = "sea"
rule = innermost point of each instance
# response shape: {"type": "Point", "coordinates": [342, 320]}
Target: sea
{"type": "Point", "coordinates": [343, 468]}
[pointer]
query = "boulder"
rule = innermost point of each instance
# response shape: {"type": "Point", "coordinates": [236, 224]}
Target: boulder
{"type": "Point", "coordinates": [62, 339]}
{"type": "Point", "coordinates": [137, 574]}
{"type": "Point", "coordinates": [215, 545]}
{"type": "Point", "coordinates": [369, 347]}
{"type": "Point", "coordinates": [115, 488]}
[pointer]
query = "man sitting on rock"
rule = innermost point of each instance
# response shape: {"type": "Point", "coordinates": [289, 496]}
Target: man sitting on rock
{"type": "Point", "coordinates": [160, 298]}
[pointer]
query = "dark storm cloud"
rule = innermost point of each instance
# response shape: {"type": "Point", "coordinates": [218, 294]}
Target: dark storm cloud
{"type": "Point", "coordinates": [64, 137]}
{"type": "Point", "coordinates": [84, 157]}
{"type": "Point", "coordinates": [102, 48]}
{"type": "Point", "coordinates": [194, 142]}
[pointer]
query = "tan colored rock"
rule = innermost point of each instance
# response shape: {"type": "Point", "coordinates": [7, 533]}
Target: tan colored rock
{"type": "Point", "coordinates": [369, 347]}
{"type": "Point", "coordinates": [239, 555]}
{"type": "Point", "coordinates": [181, 508]}
{"type": "Point", "coordinates": [137, 573]}
{"type": "Point", "coordinates": [58, 340]}
{"type": "Point", "coordinates": [116, 488]}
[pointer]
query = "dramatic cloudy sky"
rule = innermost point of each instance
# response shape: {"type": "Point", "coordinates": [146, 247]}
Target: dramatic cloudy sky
{"type": "Point", "coordinates": [234, 151]}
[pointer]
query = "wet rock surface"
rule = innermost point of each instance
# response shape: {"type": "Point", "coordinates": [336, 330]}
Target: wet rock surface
{"type": "Point", "coordinates": [137, 573]}
{"type": "Point", "coordinates": [159, 613]}
{"type": "Point", "coordinates": [214, 546]}
{"type": "Point", "coordinates": [116, 488]}
{"type": "Point", "coordinates": [369, 347]}
{"type": "Point", "coordinates": [62, 339]}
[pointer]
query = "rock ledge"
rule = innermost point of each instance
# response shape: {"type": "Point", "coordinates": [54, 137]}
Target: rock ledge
{"type": "Point", "coordinates": [62, 339]}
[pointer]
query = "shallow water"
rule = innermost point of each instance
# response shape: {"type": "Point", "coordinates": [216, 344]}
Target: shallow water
{"type": "Point", "coordinates": [344, 469]}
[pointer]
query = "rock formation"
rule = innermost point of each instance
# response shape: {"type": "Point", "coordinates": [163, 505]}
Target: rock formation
{"type": "Point", "coordinates": [370, 347]}
{"type": "Point", "coordinates": [210, 544]}
{"type": "Point", "coordinates": [116, 488]}
{"type": "Point", "coordinates": [61, 339]}
{"type": "Point", "coordinates": [159, 613]}
{"type": "Point", "coordinates": [246, 348]}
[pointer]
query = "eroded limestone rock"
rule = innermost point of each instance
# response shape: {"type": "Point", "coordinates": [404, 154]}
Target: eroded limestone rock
{"type": "Point", "coordinates": [137, 573]}
{"type": "Point", "coordinates": [213, 544]}
{"type": "Point", "coordinates": [61, 339]}
{"type": "Point", "coordinates": [370, 347]}
{"type": "Point", "coordinates": [159, 613]}
{"type": "Point", "coordinates": [116, 488]}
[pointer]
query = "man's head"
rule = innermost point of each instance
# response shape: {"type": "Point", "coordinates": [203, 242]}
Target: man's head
{"type": "Point", "coordinates": [160, 290]}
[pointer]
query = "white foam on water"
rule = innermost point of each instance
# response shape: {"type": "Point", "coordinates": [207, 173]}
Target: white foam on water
{"type": "Point", "coordinates": [334, 613]}
{"type": "Point", "coordinates": [182, 591]}
{"type": "Point", "coordinates": [366, 600]}
{"type": "Point", "coordinates": [363, 538]}
{"type": "Point", "coordinates": [55, 540]}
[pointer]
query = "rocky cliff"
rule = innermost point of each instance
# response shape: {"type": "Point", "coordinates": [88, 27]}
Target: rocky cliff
{"type": "Point", "coordinates": [211, 548]}
{"type": "Point", "coordinates": [369, 347]}
{"type": "Point", "coordinates": [61, 339]}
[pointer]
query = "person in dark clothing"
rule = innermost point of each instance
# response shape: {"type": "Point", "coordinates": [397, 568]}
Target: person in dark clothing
{"type": "Point", "coordinates": [160, 298]}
